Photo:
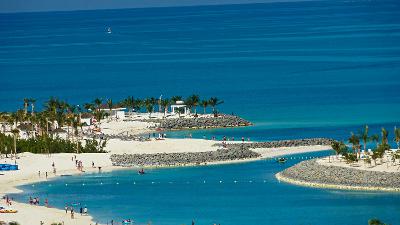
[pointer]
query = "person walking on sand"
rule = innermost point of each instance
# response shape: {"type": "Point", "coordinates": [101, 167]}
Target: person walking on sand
{"type": "Point", "coordinates": [72, 213]}
{"type": "Point", "coordinates": [85, 211]}
{"type": "Point", "coordinates": [66, 209]}
{"type": "Point", "coordinates": [46, 175]}
{"type": "Point", "coordinates": [81, 210]}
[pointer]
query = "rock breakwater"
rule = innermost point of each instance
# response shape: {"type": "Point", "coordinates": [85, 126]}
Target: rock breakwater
{"type": "Point", "coordinates": [310, 173]}
{"type": "Point", "coordinates": [171, 159]}
{"type": "Point", "coordinates": [223, 120]}
{"type": "Point", "coordinates": [279, 144]}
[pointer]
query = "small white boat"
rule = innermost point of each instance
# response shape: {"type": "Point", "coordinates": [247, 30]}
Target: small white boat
{"type": "Point", "coordinates": [109, 30]}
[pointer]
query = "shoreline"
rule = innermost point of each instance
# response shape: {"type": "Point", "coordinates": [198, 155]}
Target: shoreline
{"type": "Point", "coordinates": [58, 215]}
{"type": "Point", "coordinates": [312, 173]}
{"type": "Point", "coordinates": [282, 178]}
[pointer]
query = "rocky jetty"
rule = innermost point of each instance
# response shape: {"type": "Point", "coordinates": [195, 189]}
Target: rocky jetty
{"type": "Point", "coordinates": [221, 121]}
{"type": "Point", "coordinates": [278, 144]}
{"type": "Point", "coordinates": [310, 173]}
{"type": "Point", "coordinates": [171, 159]}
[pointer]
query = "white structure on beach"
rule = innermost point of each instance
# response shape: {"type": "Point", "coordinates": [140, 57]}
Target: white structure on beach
{"type": "Point", "coordinates": [179, 105]}
{"type": "Point", "coordinates": [118, 113]}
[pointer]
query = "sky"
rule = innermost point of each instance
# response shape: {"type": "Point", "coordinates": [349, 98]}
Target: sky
{"type": "Point", "coordinates": [8, 6]}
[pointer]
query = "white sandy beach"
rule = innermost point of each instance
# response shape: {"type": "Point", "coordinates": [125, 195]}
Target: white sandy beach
{"type": "Point", "coordinates": [31, 164]}
{"type": "Point", "coordinates": [386, 166]}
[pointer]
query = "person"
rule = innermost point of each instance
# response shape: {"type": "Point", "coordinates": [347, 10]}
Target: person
{"type": "Point", "coordinates": [52, 164]}
{"type": "Point", "coordinates": [81, 210]}
{"type": "Point", "coordinates": [46, 202]}
{"type": "Point", "coordinates": [85, 211]}
{"type": "Point", "coordinates": [39, 173]}
{"type": "Point", "coordinates": [93, 164]}
{"type": "Point", "coordinates": [54, 171]}
{"type": "Point", "coordinates": [242, 139]}
{"type": "Point", "coordinates": [46, 175]}
{"type": "Point", "coordinates": [72, 213]}
{"type": "Point", "coordinates": [66, 209]}
{"type": "Point", "coordinates": [192, 222]}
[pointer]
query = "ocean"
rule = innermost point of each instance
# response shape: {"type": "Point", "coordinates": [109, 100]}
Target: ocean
{"type": "Point", "coordinates": [296, 70]}
{"type": "Point", "coordinates": [236, 194]}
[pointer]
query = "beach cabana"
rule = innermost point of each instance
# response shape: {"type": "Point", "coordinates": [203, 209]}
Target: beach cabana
{"type": "Point", "coordinates": [117, 112]}
{"type": "Point", "coordinates": [177, 106]}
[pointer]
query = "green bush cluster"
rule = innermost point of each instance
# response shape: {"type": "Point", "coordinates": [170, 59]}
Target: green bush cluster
{"type": "Point", "coordinates": [47, 144]}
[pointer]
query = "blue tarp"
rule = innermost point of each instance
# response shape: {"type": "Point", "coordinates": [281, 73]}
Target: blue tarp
{"type": "Point", "coordinates": [5, 167]}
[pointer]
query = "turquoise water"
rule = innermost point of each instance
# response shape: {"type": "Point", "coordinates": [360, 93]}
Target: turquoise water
{"type": "Point", "coordinates": [301, 64]}
{"type": "Point", "coordinates": [300, 69]}
{"type": "Point", "coordinates": [210, 195]}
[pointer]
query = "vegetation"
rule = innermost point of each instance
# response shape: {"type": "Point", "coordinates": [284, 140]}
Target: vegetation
{"type": "Point", "coordinates": [48, 145]}
{"type": "Point", "coordinates": [42, 127]}
{"type": "Point", "coordinates": [375, 222]}
{"type": "Point", "coordinates": [377, 153]}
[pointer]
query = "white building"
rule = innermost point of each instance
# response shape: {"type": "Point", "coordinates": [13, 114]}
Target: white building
{"type": "Point", "coordinates": [117, 113]}
{"type": "Point", "coordinates": [179, 105]}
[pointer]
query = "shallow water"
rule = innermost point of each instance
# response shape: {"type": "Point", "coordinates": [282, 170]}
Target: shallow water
{"type": "Point", "coordinates": [210, 195]}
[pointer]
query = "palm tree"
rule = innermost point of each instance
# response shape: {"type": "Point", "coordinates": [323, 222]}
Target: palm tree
{"type": "Point", "coordinates": [385, 134]}
{"type": "Point", "coordinates": [204, 104]}
{"type": "Point", "coordinates": [15, 132]}
{"type": "Point", "coordinates": [51, 105]}
{"type": "Point", "coordinates": [26, 104]}
{"type": "Point", "coordinates": [138, 103]}
{"type": "Point", "coordinates": [174, 99]}
{"type": "Point", "coordinates": [129, 103]}
{"type": "Point", "coordinates": [374, 138]}
{"type": "Point", "coordinates": [32, 101]}
{"type": "Point", "coordinates": [355, 141]}
{"type": "Point", "coordinates": [194, 99]}
{"type": "Point", "coordinates": [98, 102]}
{"type": "Point", "coordinates": [365, 137]}
{"type": "Point", "coordinates": [110, 105]}
{"type": "Point", "coordinates": [189, 104]}
{"type": "Point", "coordinates": [149, 104]}
{"type": "Point", "coordinates": [397, 137]}
{"type": "Point", "coordinates": [165, 104]}
{"type": "Point", "coordinates": [89, 107]}
{"type": "Point", "coordinates": [214, 101]}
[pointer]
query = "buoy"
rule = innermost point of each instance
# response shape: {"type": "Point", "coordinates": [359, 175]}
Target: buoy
{"type": "Point", "coordinates": [152, 182]}
{"type": "Point", "coordinates": [220, 181]}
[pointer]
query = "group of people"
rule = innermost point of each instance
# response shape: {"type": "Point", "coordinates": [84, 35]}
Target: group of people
{"type": "Point", "coordinates": [78, 163]}
{"type": "Point", "coordinates": [7, 200]}
{"type": "Point", "coordinates": [82, 211]}
{"type": "Point", "coordinates": [34, 201]}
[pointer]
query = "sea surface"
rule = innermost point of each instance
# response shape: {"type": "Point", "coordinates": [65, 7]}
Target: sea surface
{"type": "Point", "coordinates": [305, 65]}
{"type": "Point", "coordinates": [296, 70]}
{"type": "Point", "coordinates": [235, 194]}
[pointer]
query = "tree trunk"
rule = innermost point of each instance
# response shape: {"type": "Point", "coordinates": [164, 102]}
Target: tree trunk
{"type": "Point", "coordinates": [15, 146]}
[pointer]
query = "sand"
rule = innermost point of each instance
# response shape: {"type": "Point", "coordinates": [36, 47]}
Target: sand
{"type": "Point", "coordinates": [31, 164]}
{"type": "Point", "coordinates": [381, 166]}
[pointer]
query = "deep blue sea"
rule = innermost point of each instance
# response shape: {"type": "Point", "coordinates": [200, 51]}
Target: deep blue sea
{"type": "Point", "coordinates": [298, 69]}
